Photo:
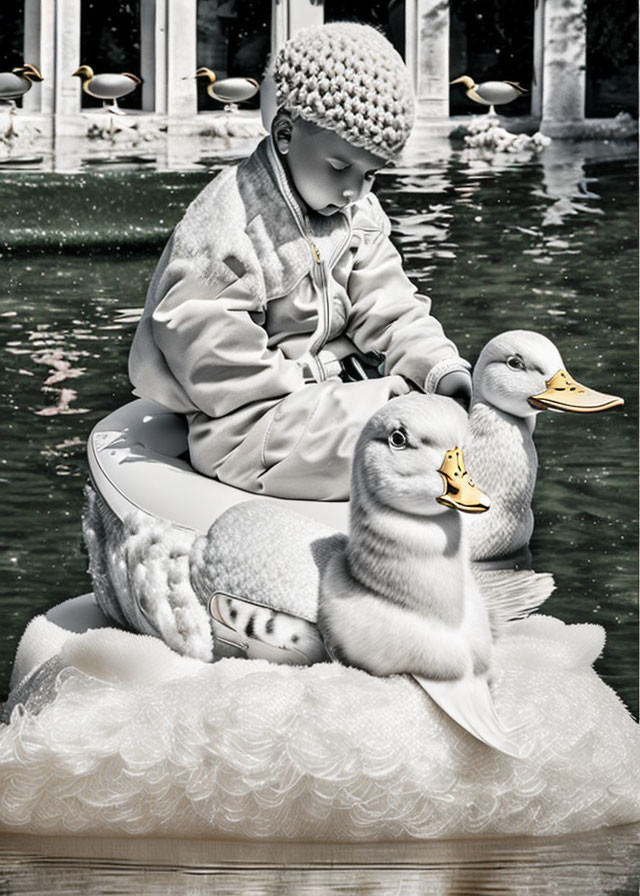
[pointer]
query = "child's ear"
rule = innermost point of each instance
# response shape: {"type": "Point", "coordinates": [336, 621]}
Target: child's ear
{"type": "Point", "coordinates": [281, 129]}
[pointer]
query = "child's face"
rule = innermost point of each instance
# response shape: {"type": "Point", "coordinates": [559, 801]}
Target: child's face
{"type": "Point", "coordinates": [328, 173]}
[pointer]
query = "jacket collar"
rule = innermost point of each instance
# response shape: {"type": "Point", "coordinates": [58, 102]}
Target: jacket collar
{"type": "Point", "coordinates": [327, 233]}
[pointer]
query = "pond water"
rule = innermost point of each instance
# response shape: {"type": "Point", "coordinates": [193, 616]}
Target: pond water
{"type": "Point", "coordinates": [548, 243]}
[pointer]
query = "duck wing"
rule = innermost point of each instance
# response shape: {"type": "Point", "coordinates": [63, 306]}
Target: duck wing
{"type": "Point", "coordinates": [468, 702]}
{"type": "Point", "coordinates": [257, 571]}
{"type": "Point", "coordinates": [511, 594]}
{"type": "Point", "coordinates": [265, 554]}
{"type": "Point", "coordinates": [473, 94]}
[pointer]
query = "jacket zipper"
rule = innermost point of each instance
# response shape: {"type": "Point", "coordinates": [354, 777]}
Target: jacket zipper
{"type": "Point", "coordinates": [324, 312]}
{"type": "Point", "coordinates": [322, 332]}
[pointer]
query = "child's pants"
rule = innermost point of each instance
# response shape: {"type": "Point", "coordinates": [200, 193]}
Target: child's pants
{"type": "Point", "coordinates": [301, 447]}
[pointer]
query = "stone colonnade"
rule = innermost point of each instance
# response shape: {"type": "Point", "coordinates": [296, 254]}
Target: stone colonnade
{"type": "Point", "coordinates": [168, 56]}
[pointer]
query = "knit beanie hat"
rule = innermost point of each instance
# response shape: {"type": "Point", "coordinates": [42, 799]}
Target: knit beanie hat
{"type": "Point", "coordinates": [347, 78]}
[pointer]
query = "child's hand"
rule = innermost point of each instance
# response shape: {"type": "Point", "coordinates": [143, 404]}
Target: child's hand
{"type": "Point", "coordinates": [457, 385]}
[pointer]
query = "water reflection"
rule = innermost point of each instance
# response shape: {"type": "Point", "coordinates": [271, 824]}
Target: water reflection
{"type": "Point", "coordinates": [566, 184]}
{"type": "Point", "coordinates": [585, 865]}
{"type": "Point", "coordinates": [520, 262]}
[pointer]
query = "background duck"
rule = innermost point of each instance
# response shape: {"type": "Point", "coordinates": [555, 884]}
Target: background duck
{"type": "Point", "coordinates": [229, 90]}
{"type": "Point", "coordinates": [518, 374]}
{"type": "Point", "coordinates": [490, 93]}
{"type": "Point", "coordinates": [107, 87]}
{"type": "Point", "coordinates": [18, 81]}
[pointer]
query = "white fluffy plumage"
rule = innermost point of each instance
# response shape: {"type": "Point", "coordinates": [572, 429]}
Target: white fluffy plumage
{"type": "Point", "coordinates": [401, 597]}
{"type": "Point", "coordinates": [509, 378]}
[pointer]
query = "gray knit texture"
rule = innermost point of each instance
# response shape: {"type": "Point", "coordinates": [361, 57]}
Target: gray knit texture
{"type": "Point", "coordinates": [347, 78]}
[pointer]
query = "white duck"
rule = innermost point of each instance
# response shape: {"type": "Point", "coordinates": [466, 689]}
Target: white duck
{"type": "Point", "coordinates": [108, 87]}
{"type": "Point", "coordinates": [518, 374]}
{"type": "Point", "coordinates": [490, 93]}
{"type": "Point", "coordinates": [400, 597]}
{"type": "Point", "coordinates": [230, 90]}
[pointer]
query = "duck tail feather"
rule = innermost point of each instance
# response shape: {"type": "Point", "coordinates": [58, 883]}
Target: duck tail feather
{"type": "Point", "coordinates": [511, 594]}
{"type": "Point", "coordinates": [468, 702]}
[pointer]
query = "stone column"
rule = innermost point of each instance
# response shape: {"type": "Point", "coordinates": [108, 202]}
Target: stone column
{"type": "Point", "coordinates": [153, 55]}
{"type": "Point", "coordinates": [67, 31]}
{"type": "Point", "coordinates": [39, 44]}
{"type": "Point", "coordinates": [304, 14]}
{"type": "Point", "coordinates": [288, 16]}
{"type": "Point", "coordinates": [182, 102]}
{"type": "Point", "coordinates": [279, 24]}
{"type": "Point", "coordinates": [563, 74]}
{"type": "Point", "coordinates": [427, 55]}
{"type": "Point", "coordinates": [538, 60]}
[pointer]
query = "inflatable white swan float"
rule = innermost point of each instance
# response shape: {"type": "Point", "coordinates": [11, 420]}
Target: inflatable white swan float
{"type": "Point", "coordinates": [114, 732]}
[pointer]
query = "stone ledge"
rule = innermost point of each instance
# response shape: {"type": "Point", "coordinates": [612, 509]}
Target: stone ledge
{"type": "Point", "coordinates": [66, 142]}
{"type": "Point", "coordinates": [622, 127]}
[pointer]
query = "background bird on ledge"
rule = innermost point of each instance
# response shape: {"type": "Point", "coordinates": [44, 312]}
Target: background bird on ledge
{"type": "Point", "coordinates": [230, 90]}
{"type": "Point", "coordinates": [491, 93]}
{"type": "Point", "coordinates": [18, 81]}
{"type": "Point", "coordinates": [14, 85]}
{"type": "Point", "coordinates": [107, 87]}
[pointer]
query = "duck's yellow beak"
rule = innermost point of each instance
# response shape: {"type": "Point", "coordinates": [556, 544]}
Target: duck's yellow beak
{"type": "Point", "coordinates": [460, 492]}
{"type": "Point", "coordinates": [564, 394]}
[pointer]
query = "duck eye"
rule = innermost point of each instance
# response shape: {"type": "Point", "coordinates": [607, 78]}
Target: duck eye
{"type": "Point", "coordinates": [397, 440]}
{"type": "Point", "coordinates": [515, 363]}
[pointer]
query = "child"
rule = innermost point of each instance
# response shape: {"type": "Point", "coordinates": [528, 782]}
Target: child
{"type": "Point", "coordinates": [281, 277]}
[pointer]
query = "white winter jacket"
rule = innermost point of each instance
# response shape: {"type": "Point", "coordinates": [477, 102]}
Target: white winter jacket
{"type": "Point", "coordinates": [252, 306]}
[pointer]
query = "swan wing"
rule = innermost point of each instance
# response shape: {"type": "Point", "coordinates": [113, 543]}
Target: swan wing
{"type": "Point", "coordinates": [139, 569]}
{"type": "Point", "coordinates": [100, 528]}
{"type": "Point", "coordinates": [468, 702]}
